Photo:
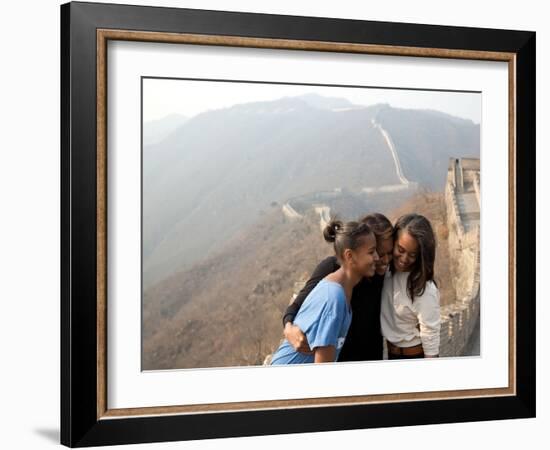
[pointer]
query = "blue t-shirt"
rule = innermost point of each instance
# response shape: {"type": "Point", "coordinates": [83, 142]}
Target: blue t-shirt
{"type": "Point", "coordinates": [324, 317]}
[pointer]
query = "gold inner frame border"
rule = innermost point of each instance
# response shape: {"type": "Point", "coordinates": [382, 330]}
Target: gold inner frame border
{"type": "Point", "coordinates": [103, 36]}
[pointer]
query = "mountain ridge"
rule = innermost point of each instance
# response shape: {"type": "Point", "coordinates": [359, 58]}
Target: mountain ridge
{"type": "Point", "coordinates": [217, 172]}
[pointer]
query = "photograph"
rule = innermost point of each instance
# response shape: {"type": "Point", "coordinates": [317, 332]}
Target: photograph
{"type": "Point", "coordinates": [273, 224]}
{"type": "Point", "coordinates": [287, 223]}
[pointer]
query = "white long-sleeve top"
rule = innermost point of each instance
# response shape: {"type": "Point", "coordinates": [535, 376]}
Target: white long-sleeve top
{"type": "Point", "coordinates": [405, 323]}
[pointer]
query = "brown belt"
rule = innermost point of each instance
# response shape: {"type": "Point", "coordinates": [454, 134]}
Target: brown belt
{"type": "Point", "coordinates": [405, 351]}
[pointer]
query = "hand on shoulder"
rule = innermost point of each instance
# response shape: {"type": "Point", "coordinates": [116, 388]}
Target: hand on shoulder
{"type": "Point", "coordinates": [296, 338]}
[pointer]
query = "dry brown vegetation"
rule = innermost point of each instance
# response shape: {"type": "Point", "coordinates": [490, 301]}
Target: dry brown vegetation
{"type": "Point", "coordinates": [227, 310]}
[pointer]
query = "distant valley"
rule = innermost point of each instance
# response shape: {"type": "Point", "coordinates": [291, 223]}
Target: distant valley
{"type": "Point", "coordinates": [227, 310]}
{"type": "Point", "coordinates": [233, 200]}
{"type": "Point", "coordinates": [222, 171]}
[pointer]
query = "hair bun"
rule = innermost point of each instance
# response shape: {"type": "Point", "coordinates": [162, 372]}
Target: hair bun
{"type": "Point", "coordinates": [332, 228]}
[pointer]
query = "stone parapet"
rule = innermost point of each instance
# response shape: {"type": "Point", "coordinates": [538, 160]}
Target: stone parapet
{"type": "Point", "coordinates": [477, 188]}
{"type": "Point", "coordinates": [459, 320]}
{"type": "Point", "coordinates": [453, 213]}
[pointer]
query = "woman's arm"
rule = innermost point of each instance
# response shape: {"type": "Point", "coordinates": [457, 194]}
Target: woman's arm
{"type": "Point", "coordinates": [429, 320]}
{"type": "Point", "coordinates": [296, 338]}
{"type": "Point", "coordinates": [325, 354]}
{"type": "Point", "coordinates": [329, 319]}
{"type": "Point", "coordinates": [292, 333]}
{"type": "Point", "coordinates": [325, 267]}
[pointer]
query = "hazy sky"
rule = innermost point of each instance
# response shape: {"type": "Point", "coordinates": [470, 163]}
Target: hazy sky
{"type": "Point", "coordinates": [162, 97]}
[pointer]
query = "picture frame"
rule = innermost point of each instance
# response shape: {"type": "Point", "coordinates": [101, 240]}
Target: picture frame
{"type": "Point", "coordinates": [86, 28]}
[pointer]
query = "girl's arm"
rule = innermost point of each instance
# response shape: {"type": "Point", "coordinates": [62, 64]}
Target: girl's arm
{"type": "Point", "coordinates": [326, 318]}
{"type": "Point", "coordinates": [292, 333]}
{"type": "Point", "coordinates": [325, 354]}
{"type": "Point", "coordinates": [325, 267]}
{"type": "Point", "coordinates": [296, 338]}
{"type": "Point", "coordinates": [429, 320]}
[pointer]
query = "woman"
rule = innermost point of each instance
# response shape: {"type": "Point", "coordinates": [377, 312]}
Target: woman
{"type": "Point", "coordinates": [409, 314]}
{"type": "Point", "coordinates": [364, 340]}
{"type": "Point", "coordinates": [325, 315]}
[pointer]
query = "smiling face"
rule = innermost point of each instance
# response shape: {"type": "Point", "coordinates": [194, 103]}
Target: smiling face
{"type": "Point", "coordinates": [405, 252]}
{"type": "Point", "coordinates": [364, 258]}
{"type": "Point", "coordinates": [384, 248]}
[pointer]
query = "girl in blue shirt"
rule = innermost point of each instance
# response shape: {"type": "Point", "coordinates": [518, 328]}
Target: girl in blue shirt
{"type": "Point", "coordinates": [325, 315]}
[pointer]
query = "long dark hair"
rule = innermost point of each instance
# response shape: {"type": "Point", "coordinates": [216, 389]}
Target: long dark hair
{"type": "Point", "coordinates": [423, 268]}
{"type": "Point", "coordinates": [345, 235]}
{"type": "Point", "coordinates": [379, 224]}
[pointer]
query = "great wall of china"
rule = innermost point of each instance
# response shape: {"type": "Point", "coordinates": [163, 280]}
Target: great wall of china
{"type": "Point", "coordinates": [318, 200]}
{"type": "Point", "coordinates": [460, 320]}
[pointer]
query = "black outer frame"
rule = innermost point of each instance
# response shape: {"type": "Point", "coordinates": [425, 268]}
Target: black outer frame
{"type": "Point", "coordinates": [79, 423]}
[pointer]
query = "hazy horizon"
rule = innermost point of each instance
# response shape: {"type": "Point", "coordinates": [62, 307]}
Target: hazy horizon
{"type": "Point", "coordinates": [165, 97]}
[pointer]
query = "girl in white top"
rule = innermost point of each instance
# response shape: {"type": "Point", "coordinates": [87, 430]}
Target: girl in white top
{"type": "Point", "coordinates": [409, 314]}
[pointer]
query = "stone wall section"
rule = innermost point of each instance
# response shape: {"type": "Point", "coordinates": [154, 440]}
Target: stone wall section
{"type": "Point", "coordinates": [459, 320]}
